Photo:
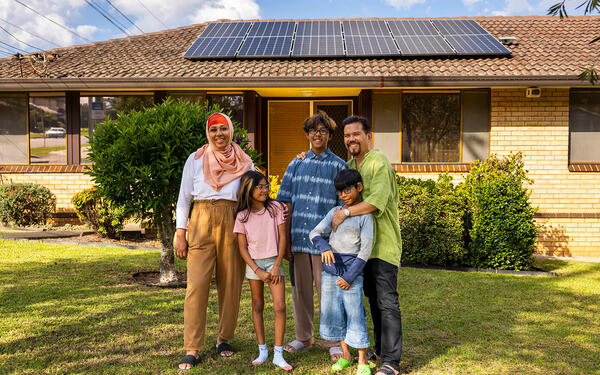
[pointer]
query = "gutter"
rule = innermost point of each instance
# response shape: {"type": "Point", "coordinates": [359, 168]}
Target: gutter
{"type": "Point", "coordinates": [29, 84]}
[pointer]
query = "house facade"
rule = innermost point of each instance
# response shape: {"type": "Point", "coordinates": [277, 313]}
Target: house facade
{"type": "Point", "coordinates": [429, 114]}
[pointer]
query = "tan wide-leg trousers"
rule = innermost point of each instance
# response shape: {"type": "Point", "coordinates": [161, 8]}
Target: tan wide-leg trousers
{"type": "Point", "coordinates": [307, 272]}
{"type": "Point", "coordinates": [211, 242]}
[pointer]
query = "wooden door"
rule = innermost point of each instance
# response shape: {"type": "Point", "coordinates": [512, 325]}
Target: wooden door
{"type": "Point", "coordinates": [286, 135]}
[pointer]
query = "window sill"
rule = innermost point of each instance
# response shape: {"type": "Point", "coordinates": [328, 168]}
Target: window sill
{"type": "Point", "coordinates": [584, 167]}
{"type": "Point", "coordinates": [5, 169]}
{"type": "Point", "coordinates": [432, 167]}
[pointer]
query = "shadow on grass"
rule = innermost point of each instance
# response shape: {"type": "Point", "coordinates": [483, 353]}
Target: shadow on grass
{"type": "Point", "coordinates": [66, 314]}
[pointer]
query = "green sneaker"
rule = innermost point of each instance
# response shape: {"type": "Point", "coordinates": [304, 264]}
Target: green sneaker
{"type": "Point", "coordinates": [363, 370]}
{"type": "Point", "coordinates": [341, 364]}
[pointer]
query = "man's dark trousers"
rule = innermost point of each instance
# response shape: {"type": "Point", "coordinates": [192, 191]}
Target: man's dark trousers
{"type": "Point", "coordinates": [380, 283]}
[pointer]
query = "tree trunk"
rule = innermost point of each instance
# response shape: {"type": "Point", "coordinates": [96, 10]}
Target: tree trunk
{"type": "Point", "coordinates": [166, 231]}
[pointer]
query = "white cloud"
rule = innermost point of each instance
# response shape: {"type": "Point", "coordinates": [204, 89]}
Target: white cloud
{"type": "Point", "coordinates": [63, 12]}
{"type": "Point", "coordinates": [514, 7]}
{"type": "Point", "coordinates": [186, 12]}
{"type": "Point", "coordinates": [403, 4]}
{"type": "Point", "coordinates": [470, 2]}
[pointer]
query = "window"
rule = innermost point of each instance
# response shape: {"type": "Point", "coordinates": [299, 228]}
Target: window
{"type": "Point", "coordinates": [47, 130]}
{"type": "Point", "coordinates": [189, 96]}
{"type": "Point", "coordinates": [432, 127]}
{"type": "Point", "coordinates": [584, 126]}
{"type": "Point", "coordinates": [95, 109]}
{"type": "Point", "coordinates": [229, 103]}
{"type": "Point", "coordinates": [13, 128]}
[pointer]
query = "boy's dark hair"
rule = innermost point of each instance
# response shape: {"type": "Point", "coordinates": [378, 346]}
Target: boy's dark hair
{"type": "Point", "coordinates": [352, 119]}
{"type": "Point", "coordinates": [346, 178]}
{"type": "Point", "coordinates": [319, 118]}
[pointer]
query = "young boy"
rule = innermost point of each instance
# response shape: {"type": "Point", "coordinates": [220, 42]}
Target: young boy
{"type": "Point", "coordinates": [344, 256]}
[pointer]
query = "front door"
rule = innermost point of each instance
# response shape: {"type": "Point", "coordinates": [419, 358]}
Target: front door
{"type": "Point", "coordinates": [286, 135]}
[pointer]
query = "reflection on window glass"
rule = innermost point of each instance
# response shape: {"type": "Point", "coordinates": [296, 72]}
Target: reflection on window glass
{"type": "Point", "coordinates": [584, 126]}
{"type": "Point", "coordinates": [13, 129]}
{"type": "Point", "coordinates": [94, 110]}
{"type": "Point", "coordinates": [430, 127]}
{"type": "Point", "coordinates": [47, 130]}
{"type": "Point", "coordinates": [233, 104]}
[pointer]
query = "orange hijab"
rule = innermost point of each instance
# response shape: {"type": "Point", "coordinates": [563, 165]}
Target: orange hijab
{"type": "Point", "coordinates": [222, 167]}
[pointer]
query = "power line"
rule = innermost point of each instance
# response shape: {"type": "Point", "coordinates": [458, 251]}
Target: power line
{"type": "Point", "coordinates": [19, 40]}
{"type": "Point", "coordinates": [99, 10]}
{"type": "Point", "coordinates": [13, 47]}
{"type": "Point", "coordinates": [29, 32]}
{"type": "Point", "coordinates": [152, 14]}
{"type": "Point", "coordinates": [54, 22]}
{"type": "Point", "coordinates": [2, 50]}
{"type": "Point", "coordinates": [124, 16]}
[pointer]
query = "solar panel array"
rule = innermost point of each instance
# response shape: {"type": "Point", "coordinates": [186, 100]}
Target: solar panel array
{"type": "Point", "coordinates": [349, 38]}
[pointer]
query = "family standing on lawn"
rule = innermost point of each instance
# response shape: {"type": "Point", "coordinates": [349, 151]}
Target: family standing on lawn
{"type": "Point", "coordinates": [337, 223]}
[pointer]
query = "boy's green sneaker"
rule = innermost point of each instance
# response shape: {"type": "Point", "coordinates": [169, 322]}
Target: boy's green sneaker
{"type": "Point", "coordinates": [363, 370]}
{"type": "Point", "coordinates": [341, 364]}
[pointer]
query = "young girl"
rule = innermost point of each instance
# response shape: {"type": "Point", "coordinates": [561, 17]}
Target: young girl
{"type": "Point", "coordinates": [262, 239]}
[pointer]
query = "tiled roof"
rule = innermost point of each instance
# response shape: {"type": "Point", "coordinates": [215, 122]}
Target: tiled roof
{"type": "Point", "coordinates": [546, 47]}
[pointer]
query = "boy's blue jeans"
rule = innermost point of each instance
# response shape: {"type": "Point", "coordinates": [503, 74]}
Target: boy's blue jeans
{"type": "Point", "coordinates": [342, 312]}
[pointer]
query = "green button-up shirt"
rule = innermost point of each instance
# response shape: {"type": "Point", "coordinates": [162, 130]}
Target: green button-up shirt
{"type": "Point", "coordinates": [380, 190]}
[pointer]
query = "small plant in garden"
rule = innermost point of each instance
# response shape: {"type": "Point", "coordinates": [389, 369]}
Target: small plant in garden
{"type": "Point", "coordinates": [26, 204]}
{"type": "Point", "coordinates": [431, 221]}
{"type": "Point", "coordinates": [138, 160]}
{"type": "Point", "coordinates": [502, 232]}
{"type": "Point", "coordinates": [101, 214]}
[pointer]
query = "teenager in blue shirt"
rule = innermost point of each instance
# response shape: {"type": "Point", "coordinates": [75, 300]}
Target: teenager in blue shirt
{"type": "Point", "coordinates": [307, 188]}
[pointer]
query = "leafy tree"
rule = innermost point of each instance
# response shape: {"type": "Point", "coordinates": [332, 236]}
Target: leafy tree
{"type": "Point", "coordinates": [138, 159]}
{"type": "Point", "coordinates": [590, 73]}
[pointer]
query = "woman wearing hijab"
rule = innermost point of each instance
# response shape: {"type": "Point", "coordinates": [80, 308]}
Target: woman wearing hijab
{"type": "Point", "coordinates": [211, 177]}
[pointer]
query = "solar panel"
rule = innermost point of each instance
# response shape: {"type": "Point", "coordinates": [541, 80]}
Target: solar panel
{"type": "Point", "coordinates": [370, 46]}
{"type": "Point", "coordinates": [226, 29]}
{"type": "Point", "coordinates": [214, 47]}
{"type": "Point", "coordinates": [467, 37]}
{"type": "Point", "coordinates": [277, 28]}
{"type": "Point", "coordinates": [365, 28]}
{"type": "Point", "coordinates": [412, 28]}
{"type": "Point", "coordinates": [267, 46]}
{"type": "Point", "coordinates": [423, 45]}
{"type": "Point", "coordinates": [319, 28]}
{"type": "Point", "coordinates": [458, 27]}
{"type": "Point", "coordinates": [318, 46]}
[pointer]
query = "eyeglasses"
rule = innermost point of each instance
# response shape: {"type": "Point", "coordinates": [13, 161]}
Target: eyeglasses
{"type": "Point", "coordinates": [266, 187]}
{"type": "Point", "coordinates": [346, 190]}
{"type": "Point", "coordinates": [320, 131]}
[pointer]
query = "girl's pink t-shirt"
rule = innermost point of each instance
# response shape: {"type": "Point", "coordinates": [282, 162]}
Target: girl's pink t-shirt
{"type": "Point", "coordinates": [261, 231]}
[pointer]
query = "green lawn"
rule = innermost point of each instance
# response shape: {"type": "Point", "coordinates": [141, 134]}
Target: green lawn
{"type": "Point", "coordinates": [71, 309]}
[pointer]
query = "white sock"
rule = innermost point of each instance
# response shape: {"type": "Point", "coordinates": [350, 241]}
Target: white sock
{"type": "Point", "coordinates": [263, 354]}
{"type": "Point", "coordinates": [278, 358]}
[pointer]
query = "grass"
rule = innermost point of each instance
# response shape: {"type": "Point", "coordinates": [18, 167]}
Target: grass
{"type": "Point", "coordinates": [74, 309]}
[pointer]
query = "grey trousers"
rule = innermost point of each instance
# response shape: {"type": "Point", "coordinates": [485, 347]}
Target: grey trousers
{"type": "Point", "coordinates": [307, 272]}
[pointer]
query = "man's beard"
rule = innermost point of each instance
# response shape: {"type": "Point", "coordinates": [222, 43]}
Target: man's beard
{"type": "Point", "coordinates": [354, 153]}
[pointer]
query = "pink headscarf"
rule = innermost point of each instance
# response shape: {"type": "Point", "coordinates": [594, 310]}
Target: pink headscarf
{"type": "Point", "coordinates": [222, 167]}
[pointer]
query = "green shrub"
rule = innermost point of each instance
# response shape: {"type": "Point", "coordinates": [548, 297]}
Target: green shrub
{"type": "Point", "coordinates": [502, 232]}
{"type": "Point", "coordinates": [431, 221]}
{"type": "Point", "coordinates": [104, 216]}
{"type": "Point", "coordinates": [25, 204]}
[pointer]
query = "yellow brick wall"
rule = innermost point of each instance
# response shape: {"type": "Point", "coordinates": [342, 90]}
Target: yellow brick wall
{"type": "Point", "coordinates": [539, 128]}
{"type": "Point", "coordinates": [63, 185]}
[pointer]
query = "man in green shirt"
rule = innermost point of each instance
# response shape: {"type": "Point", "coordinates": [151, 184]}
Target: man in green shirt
{"type": "Point", "coordinates": [380, 197]}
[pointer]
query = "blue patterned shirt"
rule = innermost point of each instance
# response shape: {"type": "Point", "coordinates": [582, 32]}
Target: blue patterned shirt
{"type": "Point", "coordinates": [308, 185]}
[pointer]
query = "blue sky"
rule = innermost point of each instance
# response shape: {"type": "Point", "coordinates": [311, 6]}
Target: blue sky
{"type": "Point", "coordinates": [83, 24]}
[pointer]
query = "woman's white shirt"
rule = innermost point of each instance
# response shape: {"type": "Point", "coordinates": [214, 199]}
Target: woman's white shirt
{"type": "Point", "coordinates": [194, 187]}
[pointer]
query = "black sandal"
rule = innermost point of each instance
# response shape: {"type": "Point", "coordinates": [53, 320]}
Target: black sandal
{"type": "Point", "coordinates": [385, 370]}
{"type": "Point", "coordinates": [225, 347]}
{"type": "Point", "coordinates": [189, 359]}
